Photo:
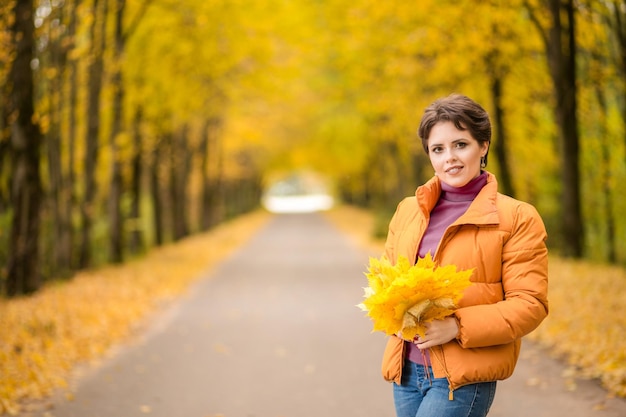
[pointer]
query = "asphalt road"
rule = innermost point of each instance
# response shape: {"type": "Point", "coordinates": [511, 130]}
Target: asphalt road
{"type": "Point", "coordinates": [274, 332]}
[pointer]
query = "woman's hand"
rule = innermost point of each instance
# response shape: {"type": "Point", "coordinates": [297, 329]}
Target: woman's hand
{"type": "Point", "coordinates": [438, 332]}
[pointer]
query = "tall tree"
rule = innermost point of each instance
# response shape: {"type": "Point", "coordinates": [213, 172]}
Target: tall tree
{"type": "Point", "coordinates": [95, 74]}
{"type": "Point", "coordinates": [180, 167]}
{"type": "Point", "coordinates": [116, 221]}
{"type": "Point", "coordinates": [72, 102]}
{"type": "Point", "coordinates": [136, 241]}
{"type": "Point", "coordinates": [606, 174]}
{"type": "Point", "coordinates": [210, 184]}
{"type": "Point", "coordinates": [23, 263]}
{"type": "Point", "coordinates": [116, 244]}
{"type": "Point", "coordinates": [498, 68]}
{"type": "Point", "coordinates": [614, 14]}
{"type": "Point", "coordinates": [560, 44]}
{"type": "Point", "coordinates": [155, 192]}
{"type": "Point", "coordinates": [500, 144]}
{"type": "Point", "coordinates": [55, 57]}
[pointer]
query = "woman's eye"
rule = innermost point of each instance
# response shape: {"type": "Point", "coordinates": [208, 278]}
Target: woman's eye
{"type": "Point", "coordinates": [437, 149]}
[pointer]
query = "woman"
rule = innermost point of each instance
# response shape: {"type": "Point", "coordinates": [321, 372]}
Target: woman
{"type": "Point", "coordinates": [461, 219]}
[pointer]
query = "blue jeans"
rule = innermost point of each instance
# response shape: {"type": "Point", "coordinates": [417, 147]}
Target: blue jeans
{"type": "Point", "coordinates": [418, 397]}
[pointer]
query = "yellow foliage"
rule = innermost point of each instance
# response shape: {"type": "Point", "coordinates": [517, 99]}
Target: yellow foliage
{"type": "Point", "coordinates": [42, 337]}
{"type": "Point", "coordinates": [402, 298]}
{"type": "Point", "coordinates": [586, 324]}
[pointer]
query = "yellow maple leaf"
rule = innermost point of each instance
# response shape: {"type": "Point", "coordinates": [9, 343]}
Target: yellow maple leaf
{"type": "Point", "coordinates": [402, 298]}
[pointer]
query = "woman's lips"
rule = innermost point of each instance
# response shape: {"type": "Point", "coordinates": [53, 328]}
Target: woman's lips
{"type": "Point", "coordinates": [454, 170]}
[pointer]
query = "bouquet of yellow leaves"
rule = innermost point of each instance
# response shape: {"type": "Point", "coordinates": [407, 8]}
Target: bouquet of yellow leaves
{"type": "Point", "coordinates": [401, 298]}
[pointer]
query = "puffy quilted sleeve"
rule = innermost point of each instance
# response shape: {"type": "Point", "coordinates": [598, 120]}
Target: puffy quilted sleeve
{"type": "Point", "coordinates": [524, 284]}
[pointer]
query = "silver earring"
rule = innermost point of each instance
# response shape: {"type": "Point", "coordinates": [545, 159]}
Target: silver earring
{"type": "Point", "coordinates": [482, 162]}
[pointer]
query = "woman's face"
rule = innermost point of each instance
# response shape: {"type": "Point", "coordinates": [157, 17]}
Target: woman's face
{"type": "Point", "coordinates": [455, 154]}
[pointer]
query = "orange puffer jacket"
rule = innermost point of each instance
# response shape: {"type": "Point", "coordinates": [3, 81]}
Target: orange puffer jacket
{"type": "Point", "coordinates": [504, 241]}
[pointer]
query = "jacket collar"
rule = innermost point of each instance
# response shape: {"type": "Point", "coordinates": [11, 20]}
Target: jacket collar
{"type": "Point", "coordinates": [482, 210]}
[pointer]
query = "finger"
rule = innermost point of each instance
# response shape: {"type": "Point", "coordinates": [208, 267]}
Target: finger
{"type": "Point", "coordinates": [422, 345]}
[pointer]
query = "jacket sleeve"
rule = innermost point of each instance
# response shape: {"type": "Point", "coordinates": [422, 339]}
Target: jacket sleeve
{"type": "Point", "coordinates": [524, 284]}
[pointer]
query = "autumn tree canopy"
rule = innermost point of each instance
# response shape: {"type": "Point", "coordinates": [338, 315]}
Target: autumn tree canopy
{"type": "Point", "coordinates": [161, 118]}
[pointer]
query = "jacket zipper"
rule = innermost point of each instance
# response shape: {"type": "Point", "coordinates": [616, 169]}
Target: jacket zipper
{"type": "Point", "coordinates": [444, 239]}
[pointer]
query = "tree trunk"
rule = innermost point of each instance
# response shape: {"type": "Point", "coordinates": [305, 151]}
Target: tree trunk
{"type": "Point", "coordinates": [116, 218]}
{"type": "Point", "coordinates": [53, 140]}
{"type": "Point", "coordinates": [562, 62]}
{"type": "Point", "coordinates": [136, 243]}
{"type": "Point", "coordinates": [60, 240]}
{"type": "Point", "coordinates": [5, 150]}
{"type": "Point", "coordinates": [560, 41]}
{"type": "Point", "coordinates": [618, 26]}
{"type": "Point", "coordinates": [605, 177]}
{"type": "Point", "coordinates": [179, 172]}
{"type": "Point", "coordinates": [499, 146]}
{"type": "Point", "coordinates": [116, 232]}
{"type": "Point", "coordinates": [5, 165]}
{"type": "Point", "coordinates": [217, 189]}
{"type": "Point", "coordinates": [183, 186]}
{"type": "Point", "coordinates": [155, 192]}
{"type": "Point", "coordinates": [95, 71]}
{"type": "Point", "coordinates": [23, 261]}
{"type": "Point", "coordinates": [204, 151]}
{"type": "Point", "coordinates": [211, 166]}
{"type": "Point", "coordinates": [72, 99]}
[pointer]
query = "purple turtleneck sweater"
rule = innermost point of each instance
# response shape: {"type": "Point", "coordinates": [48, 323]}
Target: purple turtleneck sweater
{"type": "Point", "coordinates": [453, 202]}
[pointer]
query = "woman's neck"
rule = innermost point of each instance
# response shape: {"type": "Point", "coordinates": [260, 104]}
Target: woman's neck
{"type": "Point", "coordinates": [465, 193]}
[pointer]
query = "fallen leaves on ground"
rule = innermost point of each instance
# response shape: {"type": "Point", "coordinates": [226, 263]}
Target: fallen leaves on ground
{"type": "Point", "coordinates": [42, 337]}
{"type": "Point", "coordinates": [586, 324]}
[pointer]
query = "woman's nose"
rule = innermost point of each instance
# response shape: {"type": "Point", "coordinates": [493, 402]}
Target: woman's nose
{"type": "Point", "coordinates": [450, 155]}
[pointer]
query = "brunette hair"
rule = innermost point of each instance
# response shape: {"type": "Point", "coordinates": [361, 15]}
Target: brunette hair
{"type": "Point", "coordinates": [461, 110]}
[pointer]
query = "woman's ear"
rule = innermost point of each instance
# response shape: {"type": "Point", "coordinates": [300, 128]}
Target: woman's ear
{"type": "Point", "coordinates": [485, 146]}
